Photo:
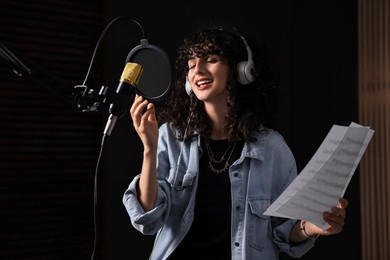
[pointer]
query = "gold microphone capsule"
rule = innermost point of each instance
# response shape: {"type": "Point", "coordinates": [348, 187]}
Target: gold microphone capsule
{"type": "Point", "coordinates": [131, 73]}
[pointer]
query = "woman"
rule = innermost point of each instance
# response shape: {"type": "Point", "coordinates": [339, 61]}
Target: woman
{"type": "Point", "coordinates": [212, 162]}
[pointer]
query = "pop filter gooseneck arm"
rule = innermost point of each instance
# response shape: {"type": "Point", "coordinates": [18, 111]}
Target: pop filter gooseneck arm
{"type": "Point", "coordinates": [101, 37]}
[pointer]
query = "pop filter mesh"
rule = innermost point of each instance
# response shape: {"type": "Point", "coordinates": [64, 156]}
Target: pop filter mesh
{"type": "Point", "coordinates": [157, 76]}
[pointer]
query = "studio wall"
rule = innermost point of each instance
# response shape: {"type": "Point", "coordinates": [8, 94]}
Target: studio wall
{"type": "Point", "coordinates": [314, 43]}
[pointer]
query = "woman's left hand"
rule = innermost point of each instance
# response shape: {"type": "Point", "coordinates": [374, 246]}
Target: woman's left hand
{"type": "Point", "coordinates": [335, 219]}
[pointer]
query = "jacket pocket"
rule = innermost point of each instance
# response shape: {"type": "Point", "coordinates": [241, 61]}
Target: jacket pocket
{"type": "Point", "coordinates": [258, 223]}
{"type": "Point", "coordinates": [181, 179]}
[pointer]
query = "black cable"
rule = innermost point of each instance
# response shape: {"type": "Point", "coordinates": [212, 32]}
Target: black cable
{"type": "Point", "coordinates": [104, 138]}
{"type": "Point", "coordinates": [95, 201]}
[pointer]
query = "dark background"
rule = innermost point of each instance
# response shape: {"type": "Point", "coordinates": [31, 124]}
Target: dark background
{"type": "Point", "coordinates": [314, 42]}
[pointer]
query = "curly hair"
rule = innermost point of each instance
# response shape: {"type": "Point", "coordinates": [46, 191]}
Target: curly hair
{"type": "Point", "coordinates": [250, 108]}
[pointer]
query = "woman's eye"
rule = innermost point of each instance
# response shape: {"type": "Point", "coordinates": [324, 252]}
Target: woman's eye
{"type": "Point", "coordinates": [212, 60]}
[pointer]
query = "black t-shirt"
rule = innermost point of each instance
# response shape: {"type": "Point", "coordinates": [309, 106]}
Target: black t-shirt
{"type": "Point", "coordinates": [210, 234]}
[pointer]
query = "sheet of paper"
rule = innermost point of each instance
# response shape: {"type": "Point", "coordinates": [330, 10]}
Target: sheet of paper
{"type": "Point", "coordinates": [325, 178]}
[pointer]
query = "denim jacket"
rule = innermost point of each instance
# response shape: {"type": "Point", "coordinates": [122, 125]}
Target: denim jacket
{"type": "Point", "coordinates": [263, 171]}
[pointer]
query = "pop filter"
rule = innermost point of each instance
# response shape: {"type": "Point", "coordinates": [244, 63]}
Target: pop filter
{"type": "Point", "coordinates": [158, 74]}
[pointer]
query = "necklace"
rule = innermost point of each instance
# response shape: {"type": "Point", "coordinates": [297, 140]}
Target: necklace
{"type": "Point", "coordinates": [213, 163]}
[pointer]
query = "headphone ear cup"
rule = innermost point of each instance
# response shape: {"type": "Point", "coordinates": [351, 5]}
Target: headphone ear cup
{"type": "Point", "coordinates": [246, 72]}
{"type": "Point", "coordinates": [188, 87]}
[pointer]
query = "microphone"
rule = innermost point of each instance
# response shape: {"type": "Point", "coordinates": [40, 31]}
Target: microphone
{"type": "Point", "coordinates": [125, 90]}
{"type": "Point", "coordinates": [158, 77]}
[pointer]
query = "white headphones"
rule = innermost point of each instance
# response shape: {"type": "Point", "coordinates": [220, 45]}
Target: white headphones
{"type": "Point", "coordinates": [246, 72]}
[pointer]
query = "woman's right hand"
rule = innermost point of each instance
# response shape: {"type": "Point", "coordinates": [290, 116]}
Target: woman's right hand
{"type": "Point", "coordinates": [145, 123]}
